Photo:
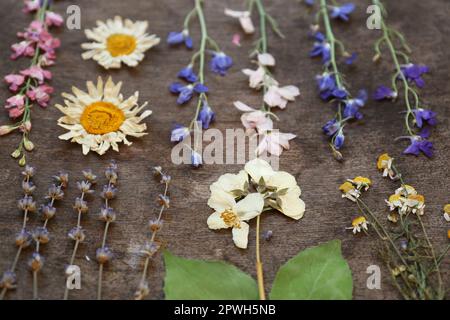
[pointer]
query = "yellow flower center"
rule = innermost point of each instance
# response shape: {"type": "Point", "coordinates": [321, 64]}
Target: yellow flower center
{"type": "Point", "coordinates": [346, 187]}
{"type": "Point", "coordinates": [447, 208]}
{"type": "Point", "coordinates": [395, 197]}
{"type": "Point", "coordinates": [102, 117]}
{"type": "Point", "coordinates": [362, 180]}
{"type": "Point", "coordinates": [119, 44]}
{"type": "Point", "coordinates": [417, 197]}
{"type": "Point", "coordinates": [358, 221]}
{"type": "Point", "coordinates": [231, 219]}
{"type": "Point", "coordinates": [381, 164]}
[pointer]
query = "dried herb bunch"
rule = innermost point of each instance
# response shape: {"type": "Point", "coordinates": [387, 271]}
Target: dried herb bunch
{"type": "Point", "coordinates": [77, 233]}
{"type": "Point", "coordinates": [107, 214]}
{"type": "Point", "coordinates": [23, 239]}
{"type": "Point", "coordinates": [153, 246]}
{"type": "Point", "coordinates": [406, 246]}
{"type": "Point", "coordinates": [41, 234]}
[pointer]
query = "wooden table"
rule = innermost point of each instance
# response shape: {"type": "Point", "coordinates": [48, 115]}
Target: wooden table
{"type": "Point", "coordinates": [185, 232]}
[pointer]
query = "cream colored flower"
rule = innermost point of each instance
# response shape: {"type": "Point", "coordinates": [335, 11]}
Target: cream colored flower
{"type": "Point", "coordinates": [232, 183]}
{"type": "Point", "coordinates": [244, 19]}
{"type": "Point", "coordinates": [284, 187]}
{"type": "Point", "coordinates": [100, 118]}
{"type": "Point", "coordinates": [229, 214]}
{"type": "Point", "coordinates": [359, 224]}
{"type": "Point", "coordinates": [116, 41]}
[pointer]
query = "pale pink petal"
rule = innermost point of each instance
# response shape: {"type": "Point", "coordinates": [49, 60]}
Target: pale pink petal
{"type": "Point", "coordinates": [266, 59]}
{"type": "Point", "coordinates": [243, 107]}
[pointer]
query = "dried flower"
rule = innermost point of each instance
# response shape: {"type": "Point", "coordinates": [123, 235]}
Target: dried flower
{"type": "Point", "coordinates": [28, 187]}
{"type": "Point", "coordinates": [80, 205]}
{"type": "Point", "coordinates": [77, 234]}
{"type": "Point", "coordinates": [384, 164]}
{"type": "Point", "coordinates": [104, 255]}
{"type": "Point", "coordinates": [8, 280]}
{"type": "Point", "coordinates": [63, 179]}
{"type": "Point", "coordinates": [447, 212]}
{"type": "Point", "coordinates": [109, 192]}
{"type": "Point", "coordinates": [27, 204]}
{"type": "Point", "coordinates": [359, 224]}
{"type": "Point", "coordinates": [47, 212]}
{"type": "Point", "coordinates": [155, 225]}
{"type": "Point", "coordinates": [23, 239]}
{"type": "Point", "coordinates": [55, 192]}
{"type": "Point", "coordinates": [89, 176]}
{"type": "Point", "coordinates": [41, 235]}
{"type": "Point", "coordinates": [150, 249]}
{"type": "Point", "coordinates": [84, 187]}
{"type": "Point", "coordinates": [142, 291]}
{"type": "Point", "coordinates": [164, 200]}
{"type": "Point", "coordinates": [107, 214]}
{"type": "Point", "coordinates": [36, 262]}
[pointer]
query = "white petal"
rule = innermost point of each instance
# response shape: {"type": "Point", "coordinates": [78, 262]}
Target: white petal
{"type": "Point", "coordinates": [258, 168]}
{"type": "Point", "coordinates": [243, 107]}
{"type": "Point", "coordinates": [240, 236]}
{"type": "Point", "coordinates": [216, 222]}
{"type": "Point", "coordinates": [247, 24]}
{"type": "Point", "coordinates": [289, 92]}
{"type": "Point", "coordinates": [236, 14]}
{"type": "Point", "coordinates": [220, 200]}
{"type": "Point", "coordinates": [266, 59]}
{"type": "Point", "coordinates": [292, 206]}
{"type": "Point", "coordinates": [282, 180]}
{"type": "Point", "coordinates": [249, 207]}
{"type": "Point", "coordinates": [229, 182]}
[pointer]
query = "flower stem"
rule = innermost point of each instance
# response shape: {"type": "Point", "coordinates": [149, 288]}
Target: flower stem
{"type": "Point", "coordinates": [259, 265]}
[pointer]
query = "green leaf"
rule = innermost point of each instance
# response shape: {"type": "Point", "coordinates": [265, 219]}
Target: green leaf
{"type": "Point", "coordinates": [209, 280]}
{"type": "Point", "coordinates": [318, 273]}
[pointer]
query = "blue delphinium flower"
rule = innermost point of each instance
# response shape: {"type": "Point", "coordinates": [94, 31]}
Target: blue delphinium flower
{"type": "Point", "coordinates": [309, 2]}
{"type": "Point", "coordinates": [178, 133]}
{"type": "Point", "coordinates": [331, 127]}
{"type": "Point", "coordinates": [352, 106]}
{"type": "Point", "coordinates": [339, 139]}
{"type": "Point", "coordinates": [419, 144]}
{"type": "Point", "coordinates": [326, 82]}
{"type": "Point", "coordinates": [342, 12]}
{"type": "Point", "coordinates": [185, 92]}
{"type": "Point", "coordinates": [414, 72]}
{"type": "Point", "coordinates": [351, 58]}
{"type": "Point", "coordinates": [180, 37]}
{"type": "Point", "coordinates": [188, 74]}
{"type": "Point", "coordinates": [321, 48]}
{"type": "Point", "coordinates": [383, 92]}
{"type": "Point", "coordinates": [424, 116]}
{"type": "Point", "coordinates": [220, 63]}
{"type": "Point", "coordinates": [196, 159]}
{"type": "Point", "coordinates": [206, 115]}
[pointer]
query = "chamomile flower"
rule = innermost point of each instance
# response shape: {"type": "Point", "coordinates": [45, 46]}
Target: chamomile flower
{"type": "Point", "coordinates": [447, 212]}
{"type": "Point", "coordinates": [361, 183]}
{"type": "Point", "coordinates": [118, 41]}
{"type": "Point", "coordinates": [349, 191]}
{"type": "Point", "coordinates": [359, 224]}
{"type": "Point", "coordinates": [101, 118]}
{"type": "Point", "coordinates": [384, 164]}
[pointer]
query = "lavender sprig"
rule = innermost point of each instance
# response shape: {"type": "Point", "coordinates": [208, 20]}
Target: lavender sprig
{"type": "Point", "coordinates": [77, 233]}
{"type": "Point", "coordinates": [331, 82]}
{"type": "Point", "coordinates": [153, 246]}
{"type": "Point", "coordinates": [219, 64]}
{"type": "Point", "coordinates": [40, 234]}
{"type": "Point", "coordinates": [107, 214]}
{"type": "Point", "coordinates": [23, 238]}
{"type": "Point", "coordinates": [417, 117]}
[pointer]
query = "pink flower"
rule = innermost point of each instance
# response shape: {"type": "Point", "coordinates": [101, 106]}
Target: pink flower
{"type": "Point", "coordinates": [14, 81]}
{"type": "Point", "coordinates": [15, 101]}
{"type": "Point", "coordinates": [254, 119]}
{"type": "Point", "coordinates": [31, 6]}
{"type": "Point", "coordinates": [279, 96]}
{"type": "Point", "coordinates": [37, 73]}
{"type": "Point", "coordinates": [47, 59]}
{"type": "Point", "coordinates": [53, 19]}
{"type": "Point", "coordinates": [33, 31]}
{"type": "Point", "coordinates": [22, 49]}
{"type": "Point", "coordinates": [236, 40]}
{"type": "Point", "coordinates": [274, 142]}
{"type": "Point", "coordinates": [15, 112]}
{"type": "Point", "coordinates": [47, 42]}
{"type": "Point", "coordinates": [40, 94]}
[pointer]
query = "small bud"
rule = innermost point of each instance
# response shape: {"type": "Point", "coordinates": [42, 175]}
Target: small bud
{"type": "Point", "coordinates": [77, 234]}
{"type": "Point", "coordinates": [28, 187]}
{"type": "Point", "coordinates": [36, 262]}
{"type": "Point", "coordinates": [88, 175]}
{"type": "Point", "coordinates": [164, 200]}
{"type": "Point", "coordinates": [84, 187]}
{"type": "Point", "coordinates": [23, 239]}
{"type": "Point", "coordinates": [107, 214]}
{"type": "Point", "coordinates": [63, 179]}
{"type": "Point", "coordinates": [16, 154]}
{"type": "Point", "coordinates": [150, 249]}
{"type": "Point", "coordinates": [376, 57]}
{"type": "Point", "coordinates": [22, 161]}
{"type": "Point", "coordinates": [5, 130]}
{"type": "Point", "coordinates": [109, 192]}
{"type": "Point", "coordinates": [55, 193]}
{"type": "Point", "coordinates": [27, 204]}
{"type": "Point", "coordinates": [142, 291]}
{"type": "Point", "coordinates": [41, 235]}
{"type": "Point", "coordinates": [28, 145]}
{"type": "Point", "coordinates": [155, 225]}
{"type": "Point", "coordinates": [8, 280]}
{"type": "Point", "coordinates": [80, 205]}
{"type": "Point", "coordinates": [104, 255]}
{"type": "Point", "coordinates": [28, 172]}
{"type": "Point", "coordinates": [47, 211]}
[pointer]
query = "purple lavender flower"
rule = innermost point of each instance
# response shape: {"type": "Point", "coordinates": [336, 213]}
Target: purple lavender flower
{"type": "Point", "coordinates": [414, 72]}
{"type": "Point", "coordinates": [220, 63]}
{"type": "Point", "coordinates": [342, 12]}
{"type": "Point", "coordinates": [206, 115]}
{"type": "Point", "coordinates": [180, 37]}
{"type": "Point", "coordinates": [188, 74]}
{"type": "Point", "coordinates": [331, 127]}
{"type": "Point", "coordinates": [419, 144]}
{"type": "Point", "coordinates": [351, 58]}
{"type": "Point", "coordinates": [179, 133]}
{"type": "Point", "coordinates": [352, 106]}
{"type": "Point", "coordinates": [424, 116]}
{"type": "Point", "coordinates": [185, 93]}
{"type": "Point", "coordinates": [383, 92]}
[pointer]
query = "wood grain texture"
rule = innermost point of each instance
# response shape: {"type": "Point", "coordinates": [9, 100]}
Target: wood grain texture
{"type": "Point", "coordinates": [185, 233]}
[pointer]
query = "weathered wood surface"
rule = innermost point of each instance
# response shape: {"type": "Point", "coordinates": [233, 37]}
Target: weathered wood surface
{"type": "Point", "coordinates": [185, 232]}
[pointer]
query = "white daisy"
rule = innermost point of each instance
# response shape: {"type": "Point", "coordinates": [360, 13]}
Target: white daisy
{"type": "Point", "coordinates": [118, 41]}
{"type": "Point", "coordinates": [101, 118]}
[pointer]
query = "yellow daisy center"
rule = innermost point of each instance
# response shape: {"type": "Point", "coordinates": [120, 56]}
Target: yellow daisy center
{"type": "Point", "coordinates": [231, 219]}
{"type": "Point", "coordinates": [381, 164]}
{"type": "Point", "coordinates": [358, 221]}
{"type": "Point", "coordinates": [346, 187]}
{"type": "Point", "coordinates": [447, 208]}
{"type": "Point", "coordinates": [362, 180]}
{"type": "Point", "coordinates": [101, 118]}
{"type": "Point", "coordinates": [395, 197]}
{"type": "Point", "coordinates": [119, 44]}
